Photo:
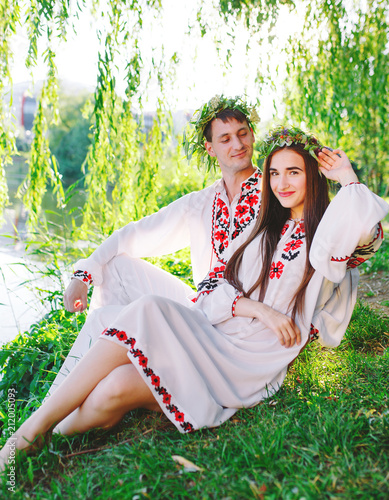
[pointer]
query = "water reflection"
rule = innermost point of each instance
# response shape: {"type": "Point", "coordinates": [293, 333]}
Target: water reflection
{"type": "Point", "coordinates": [20, 272]}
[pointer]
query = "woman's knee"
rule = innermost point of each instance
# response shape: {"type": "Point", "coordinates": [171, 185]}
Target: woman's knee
{"type": "Point", "coordinates": [123, 389]}
{"type": "Point", "coordinates": [113, 390]}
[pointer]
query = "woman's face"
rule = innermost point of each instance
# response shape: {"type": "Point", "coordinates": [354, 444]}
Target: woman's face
{"type": "Point", "coordinates": [288, 180]}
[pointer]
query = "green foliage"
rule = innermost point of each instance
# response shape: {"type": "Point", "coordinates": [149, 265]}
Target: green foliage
{"type": "Point", "coordinates": [367, 331]}
{"type": "Point", "coordinates": [69, 139]}
{"type": "Point", "coordinates": [339, 79]}
{"type": "Point", "coordinates": [178, 177]}
{"type": "Point", "coordinates": [30, 362]}
{"type": "Point", "coordinates": [178, 264]}
{"type": "Point", "coordinates": [9, 19]}
{"type": "Point", "coordinates": [42, 166]}
{"type": "Point", "coordinates": [255, 12]}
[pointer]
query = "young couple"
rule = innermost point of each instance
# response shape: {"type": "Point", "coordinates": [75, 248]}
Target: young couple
{"type": "Point", "coordinates": [275, 264]}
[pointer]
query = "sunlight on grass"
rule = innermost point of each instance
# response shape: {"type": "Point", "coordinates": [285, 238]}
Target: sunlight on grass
{"type": "Point", "coordinates": [324, 434]}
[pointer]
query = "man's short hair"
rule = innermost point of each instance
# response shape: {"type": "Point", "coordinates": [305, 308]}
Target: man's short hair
{"type": "Point", "coordinates": [224, 116]}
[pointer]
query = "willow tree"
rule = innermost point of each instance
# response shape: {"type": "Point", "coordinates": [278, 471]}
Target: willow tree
{"type": "Point", "coordinates": [337, 80]}
{"type": "Point", "coordinates": [336, 84]}
{"type": "Point", "coordinates": [119, 147]}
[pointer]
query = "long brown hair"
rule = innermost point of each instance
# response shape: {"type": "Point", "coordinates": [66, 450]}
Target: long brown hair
{"type": "Point", "coordinates": [272, 218]}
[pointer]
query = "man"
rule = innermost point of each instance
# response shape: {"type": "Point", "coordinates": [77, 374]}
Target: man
{"type": "Point", "coordinates": [207, 221]}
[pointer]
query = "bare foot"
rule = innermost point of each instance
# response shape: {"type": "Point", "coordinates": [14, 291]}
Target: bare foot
{"type": "Point", "coordinates": [19, 442]}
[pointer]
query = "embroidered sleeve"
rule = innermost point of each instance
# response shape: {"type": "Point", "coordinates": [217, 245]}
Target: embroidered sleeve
{"type": "Point", "coordinates": [364, 252]}
{"type": "Point", "coordinates": [240, 294]}
{"type": "Point", "coordinates": [349, 232]}
{"type": "Point", "coordinates": [164, 232]}
{"type": "Point", "coordinates": [218, 304]}
{"type": "Point", "coordinates": [83, 276]}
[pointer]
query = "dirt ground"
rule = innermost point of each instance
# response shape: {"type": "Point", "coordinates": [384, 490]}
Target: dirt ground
{"type": "Point", "coordinates": [374, 289]}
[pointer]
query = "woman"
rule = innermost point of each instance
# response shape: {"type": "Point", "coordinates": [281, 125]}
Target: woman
{"type": "Point", "coordinates": [232, 346]}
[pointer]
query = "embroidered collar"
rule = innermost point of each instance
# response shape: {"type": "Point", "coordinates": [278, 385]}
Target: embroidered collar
{"type": "Point", "coordinates": [245, 187]}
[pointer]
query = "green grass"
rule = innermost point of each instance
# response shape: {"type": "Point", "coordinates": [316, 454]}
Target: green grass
{"type": "Point", "coordinates": [325, 434]}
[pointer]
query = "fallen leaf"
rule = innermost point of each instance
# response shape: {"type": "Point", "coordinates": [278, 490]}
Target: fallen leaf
{"type": "Point", "coordinates": [187, 464]}
{"type": "Point", "coordinates": [258, 491]}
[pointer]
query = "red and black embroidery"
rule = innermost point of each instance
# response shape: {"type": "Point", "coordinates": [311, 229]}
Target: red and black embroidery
{"type": "Point", "coordinates": [313, 333]}
{"type": "Point", "coordinates": [154, 378]}
{"type": "Point", "coordinates": [220, 225]}
{"type": "Point", "coordinates": [362, 253]}
{"type": "Point", "coordinates": [276, 270]}
{"type": "Point", "coordinates": [284, 229]}
{"type": "Point", "coordinates": [291, 248]}
{"type": "Point", "coordinates": [246, 211]}
{"type": "Point", "coordinates": [212, 279]}
{"type": "Point", "coordinates": [248, 206]}
{"type": "Point", "coordinates": [84, 276]}
{"type": "Point", "coordinates": [291, 251]}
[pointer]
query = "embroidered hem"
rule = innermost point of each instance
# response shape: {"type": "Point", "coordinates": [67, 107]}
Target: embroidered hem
{"type": "Point", "coordinates": [154, 378]}
{"type": "Point", "coordinates": [313, 333]}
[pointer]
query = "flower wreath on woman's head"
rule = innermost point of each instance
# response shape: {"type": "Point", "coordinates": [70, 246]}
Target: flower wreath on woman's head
{"type": "Point", "coordinates": [286, 136]}
{"type": "Point", "coordinates": [194, 139]}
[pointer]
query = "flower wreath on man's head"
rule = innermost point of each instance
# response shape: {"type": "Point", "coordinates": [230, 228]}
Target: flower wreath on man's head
{"type": "Point", "coordinates": [194, 139]}
{"type": "Point", "coordinates": [286, 136]}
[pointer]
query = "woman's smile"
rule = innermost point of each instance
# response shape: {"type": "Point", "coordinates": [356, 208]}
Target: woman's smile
{"type": "Point", "coordinates": [288, 180]}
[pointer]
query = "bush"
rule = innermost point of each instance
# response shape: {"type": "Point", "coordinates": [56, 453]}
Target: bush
{"type": "Point", "coordinates": [31, 361]}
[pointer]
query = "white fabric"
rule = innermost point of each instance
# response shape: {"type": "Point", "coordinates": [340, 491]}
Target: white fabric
{"type": "Point", "coordinates": [120, 277]}
{"type": "Point", "coordinates": [185, 222]}
{"type": "Point", "coordinates": [201, 363]}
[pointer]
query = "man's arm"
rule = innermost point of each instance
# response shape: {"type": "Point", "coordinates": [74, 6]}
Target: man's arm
{"type": "Point", "coordinates": [163, 232]}
{"type": "Point", "coordinates": [75, 298]}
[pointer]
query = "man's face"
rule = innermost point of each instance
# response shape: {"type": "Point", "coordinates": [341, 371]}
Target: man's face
{"type": "Point", "coordinates": [232, 144]}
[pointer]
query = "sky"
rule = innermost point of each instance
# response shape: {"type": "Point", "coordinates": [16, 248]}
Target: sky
{"type": "Point", "coordinates": [200, 73]}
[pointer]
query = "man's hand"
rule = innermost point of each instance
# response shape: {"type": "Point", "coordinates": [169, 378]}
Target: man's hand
{"type": "Point", "coordinates": [75, 298]}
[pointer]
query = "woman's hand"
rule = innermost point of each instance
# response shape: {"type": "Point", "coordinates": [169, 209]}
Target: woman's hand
{"type": "Point", "coordinates": [283, 326]}
{"type": "Point", "coordinates": [336, 166]}
{"type": "Point", "coordinates": [75, 297]}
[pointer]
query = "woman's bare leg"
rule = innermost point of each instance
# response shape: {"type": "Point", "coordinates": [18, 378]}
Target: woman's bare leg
{"type": "Point", "coordinates": [118, 393]}
{"type": "Point", "coordinates": [101, 360]}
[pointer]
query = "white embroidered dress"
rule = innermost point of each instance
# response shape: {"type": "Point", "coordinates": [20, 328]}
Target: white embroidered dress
{"type": "Point", "coordinates": [202, 364]}
{"type": "Point", "coordinates": [203, 220]}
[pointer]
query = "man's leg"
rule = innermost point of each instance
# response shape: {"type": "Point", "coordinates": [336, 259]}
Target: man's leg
{"type": "Point", "coordinates": [124, 281]}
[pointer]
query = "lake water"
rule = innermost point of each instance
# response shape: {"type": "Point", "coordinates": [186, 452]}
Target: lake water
{"type": "Point", "coordinates": [20, 276]}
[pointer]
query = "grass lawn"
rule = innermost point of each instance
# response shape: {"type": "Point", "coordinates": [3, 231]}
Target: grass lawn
{"type": "Point", "coordinates": [325, 434]}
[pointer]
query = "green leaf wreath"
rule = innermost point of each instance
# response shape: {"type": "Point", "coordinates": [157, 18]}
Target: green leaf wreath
{"type": "Point", "coordinates": [285, 136]}
{"type": "Point", "coordinates": [194, 139]}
